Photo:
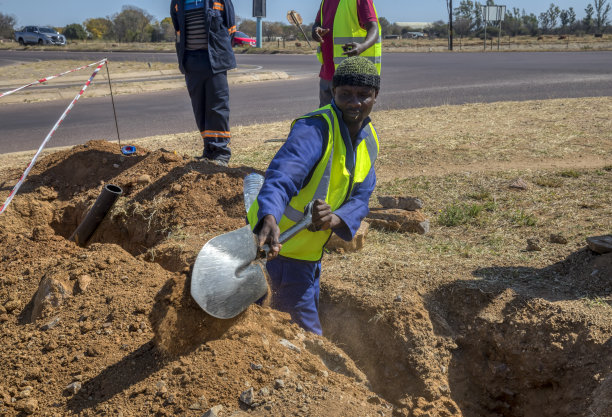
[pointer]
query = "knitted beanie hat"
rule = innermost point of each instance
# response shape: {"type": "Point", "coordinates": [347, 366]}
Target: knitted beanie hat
{"type": "Point", "coordinates": [357, 71]}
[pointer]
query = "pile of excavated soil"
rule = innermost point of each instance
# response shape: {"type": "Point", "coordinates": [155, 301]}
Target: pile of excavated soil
{"type": "Point", "coordinates": [111, 329]}
{"type": "Point", "coordinates": [77, 324]}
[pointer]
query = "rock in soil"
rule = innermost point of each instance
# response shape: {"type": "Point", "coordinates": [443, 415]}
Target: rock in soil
{"type": "Point", "coordinates": [357, 243]}
{"type": "Point", "coordinates": [397, 220]}
{"type": "Point", "coordinates": [403, 203]}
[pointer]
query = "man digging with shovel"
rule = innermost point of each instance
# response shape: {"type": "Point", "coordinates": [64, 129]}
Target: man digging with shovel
{"type": "Point", "coordinates": [329, 159]}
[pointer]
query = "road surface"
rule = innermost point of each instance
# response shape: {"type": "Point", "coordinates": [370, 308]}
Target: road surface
{"type": "Point", "coordinates": [409, 80]}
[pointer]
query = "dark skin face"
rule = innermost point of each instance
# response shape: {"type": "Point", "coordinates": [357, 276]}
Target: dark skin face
{"type": "Point", "coordinates": [356, 104]}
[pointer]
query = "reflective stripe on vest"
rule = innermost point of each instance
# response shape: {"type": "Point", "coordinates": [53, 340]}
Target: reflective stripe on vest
{"type": "Point", "coordinates": [347, 29]}
{"type": "Point", "coordinates": [330, 181]}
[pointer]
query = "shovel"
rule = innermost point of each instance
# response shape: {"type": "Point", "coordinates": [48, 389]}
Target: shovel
{"type": "Point", "coordinates": [229, 275]}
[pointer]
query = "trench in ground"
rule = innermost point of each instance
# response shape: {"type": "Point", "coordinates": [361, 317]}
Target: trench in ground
{"type": "Point", "coordinates": [142, 234]}
{"type": "Point", "coordinates": [519, 364]}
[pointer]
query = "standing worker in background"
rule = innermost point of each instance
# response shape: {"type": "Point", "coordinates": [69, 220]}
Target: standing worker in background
{"type": "Point", "coordinates": [329, 158]}
{"type": "Point", "coordinates": [204, 30]}
{"type": "Point", "coordinates": [345, 28]}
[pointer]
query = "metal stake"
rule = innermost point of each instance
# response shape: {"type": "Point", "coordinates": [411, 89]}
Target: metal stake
{"type": "Point", "coordinates": [110, 87]}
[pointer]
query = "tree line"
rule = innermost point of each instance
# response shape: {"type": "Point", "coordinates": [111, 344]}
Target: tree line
{"type": "Point", "coordinates": [134, 24]}
{"type": "Point", "coordinates": [468, 20]}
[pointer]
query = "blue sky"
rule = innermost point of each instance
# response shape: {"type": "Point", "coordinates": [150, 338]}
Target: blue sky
{"type": "Point", "coordinates": [63, 12]}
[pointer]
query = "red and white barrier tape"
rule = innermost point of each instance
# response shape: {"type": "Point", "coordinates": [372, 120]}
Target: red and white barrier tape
{"type": "Point", "coordinates": [42, 80]}
{"type": "Point", "coordinates": [57, 124]}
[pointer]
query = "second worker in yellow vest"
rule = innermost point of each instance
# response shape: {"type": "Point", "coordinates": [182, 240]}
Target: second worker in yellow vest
{"type": "Point", "coordinates": [345, 28]}
{"type": "Point", "coordinates": [329, 158]}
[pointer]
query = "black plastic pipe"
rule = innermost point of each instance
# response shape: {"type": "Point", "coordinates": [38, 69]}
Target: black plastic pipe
{"type": "Point", "coordinates": [97, 213]}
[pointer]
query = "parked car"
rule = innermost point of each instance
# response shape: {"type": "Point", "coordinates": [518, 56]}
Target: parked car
{"type": "Point", "coordinates": [413, 35]}
{"type": "Point", "coordinates": [242, 39]}
{"type": "Point", "coordinates": [39, 35]}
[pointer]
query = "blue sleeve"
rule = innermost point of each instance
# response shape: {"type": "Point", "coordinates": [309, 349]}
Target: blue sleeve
{"type": "Point", "coordinates": [292, 166]}
{"type": "Point", "coordinates": [230, 18]}
{"type": "Point", "coordinates": [356, 208]}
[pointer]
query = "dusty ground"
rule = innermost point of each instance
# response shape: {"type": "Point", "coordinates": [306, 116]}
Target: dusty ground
{"type": "Point", "coordinates": [462, 321]}
{"type": "Point", "coordinates": [130, 77]}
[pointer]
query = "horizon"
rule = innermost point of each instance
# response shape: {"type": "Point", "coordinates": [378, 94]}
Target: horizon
{"type": "Point", "coordinates": [44, 13]}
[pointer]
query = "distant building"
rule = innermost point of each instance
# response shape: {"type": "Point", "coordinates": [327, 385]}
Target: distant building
{"type": "Point", "coordinates": [413, 25]}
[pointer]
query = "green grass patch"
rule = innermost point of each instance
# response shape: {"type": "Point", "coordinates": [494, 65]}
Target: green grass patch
{"type": "Point", "coordinates": [457, 214]}
{"type": "Point", "coordinates": [482, 195]}
{"type": "Point", "coordinates": [549, 182]}
{"type": "Point", "coordinates": [570, 174]}
{"type": "Point", "coordinates": [521, 218]}
{"type": "Point", "coordinates": [597, 302]}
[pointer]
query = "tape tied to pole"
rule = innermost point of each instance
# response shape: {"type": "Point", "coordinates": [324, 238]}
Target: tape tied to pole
{"type": "Point", "coordinates": [43, 80]}
{"type": "Point", "coordinates": [49, 135]}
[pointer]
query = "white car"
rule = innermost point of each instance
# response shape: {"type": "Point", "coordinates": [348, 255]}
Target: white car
{"type": "Point", "coordinates": [39, 35]}
{"type": "Point", "coordinates": [414, 35]}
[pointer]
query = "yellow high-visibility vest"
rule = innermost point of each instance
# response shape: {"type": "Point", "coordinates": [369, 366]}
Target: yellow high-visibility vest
{"type": "Point", "coordinates": [331, 181]}
{"type": "Point", "coordinates": [347, 29]}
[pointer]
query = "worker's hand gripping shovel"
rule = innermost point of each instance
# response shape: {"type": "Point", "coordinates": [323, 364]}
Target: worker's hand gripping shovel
{"type": "Point", "coordinates": [228, 274]}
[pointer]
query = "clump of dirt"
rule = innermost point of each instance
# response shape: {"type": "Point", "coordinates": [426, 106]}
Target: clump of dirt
{"type": "Point", "coordinates": [179, 324]}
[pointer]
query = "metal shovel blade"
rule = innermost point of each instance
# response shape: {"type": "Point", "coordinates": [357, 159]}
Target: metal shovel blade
{"type": "Point", "coordinates": [226, 277]}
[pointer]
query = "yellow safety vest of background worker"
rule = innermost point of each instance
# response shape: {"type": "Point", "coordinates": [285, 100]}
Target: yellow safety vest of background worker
{"type": "Point", "coordinates": [345, 28]}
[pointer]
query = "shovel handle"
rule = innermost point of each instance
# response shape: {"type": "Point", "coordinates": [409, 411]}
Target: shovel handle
{"type": "Point", "coordinates": [295, 229]}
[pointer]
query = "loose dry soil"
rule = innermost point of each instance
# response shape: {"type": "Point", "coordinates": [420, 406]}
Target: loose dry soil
{"type": "Point", "coordinates": [111, 329]}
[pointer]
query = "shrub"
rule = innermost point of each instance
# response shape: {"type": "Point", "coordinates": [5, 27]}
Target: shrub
{"type": "Point", "coordinates": [75, 31]}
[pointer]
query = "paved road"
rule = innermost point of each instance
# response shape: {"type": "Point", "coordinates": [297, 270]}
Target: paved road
{"type": "Point", "coordinates": [409, 80]}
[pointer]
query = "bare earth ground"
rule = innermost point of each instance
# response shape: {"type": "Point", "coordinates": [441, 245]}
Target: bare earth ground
{"type": "Point", "coordinates": [463, 321]}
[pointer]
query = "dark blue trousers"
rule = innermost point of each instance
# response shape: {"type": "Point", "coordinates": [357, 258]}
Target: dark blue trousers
{"type": "Point", "coordinates": [295, 290]}
{"type": "Point", "coordinates": [209, 95]}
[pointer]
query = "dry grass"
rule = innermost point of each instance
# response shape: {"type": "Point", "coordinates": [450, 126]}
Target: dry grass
{"type": "Point", "coordinates": [506, 44]}
{"type": "Point", "coordinates": [505, 135]}
{"type": "Point", "coordinates": [496, 237]}
{"type": "Point", "coordinates": [519, 43]}
{"type": "Point", "coordinates": [97, 46]}
{"type": "Point", "coordinates": [571, 133]}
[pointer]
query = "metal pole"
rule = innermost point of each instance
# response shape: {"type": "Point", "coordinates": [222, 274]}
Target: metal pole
{"type": "Point", "coordinates": [258, 43]}
{"type": "Point", "coordinates": [110, 87]}
{"type": "Point", "coordinates": [485, 38]}
{"type": "Point", "coordinates": [499, 35]}
{"type": "Point", "coordinates": [450, 26]}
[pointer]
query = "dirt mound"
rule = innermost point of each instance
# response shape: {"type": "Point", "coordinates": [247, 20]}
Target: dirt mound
{"type": "Point", "coordinates": [74, 321]}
